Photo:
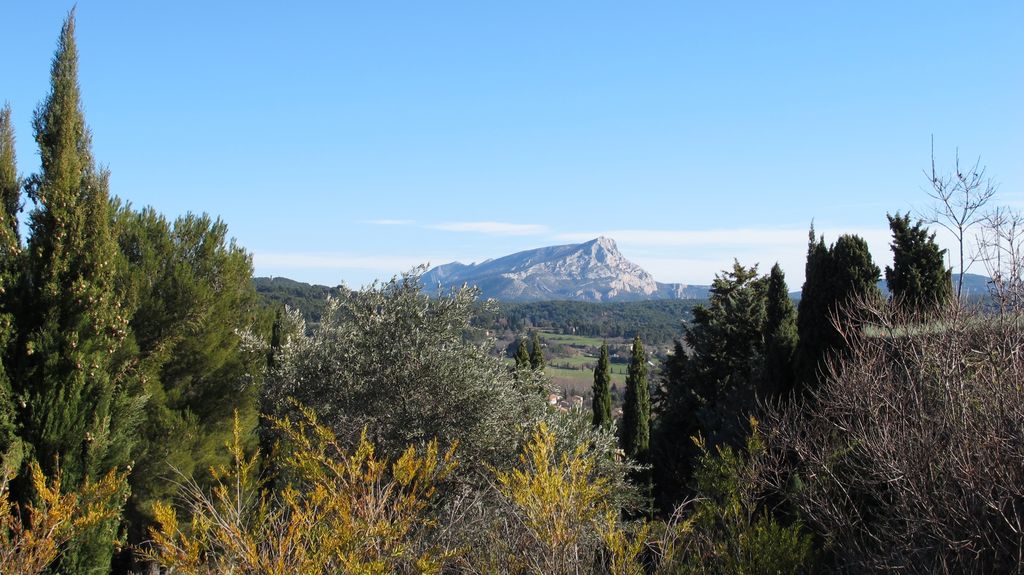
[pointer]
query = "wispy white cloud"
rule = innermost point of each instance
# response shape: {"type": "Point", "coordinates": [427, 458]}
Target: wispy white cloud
{"type": "Point", "coordinates": [295, 260]}
{"type": "Point", "coordinates": [760, 237]}
{"type": "Point", "coordinates": [493, 228]}
{"type": "Point", "coordinates": [390, 222]}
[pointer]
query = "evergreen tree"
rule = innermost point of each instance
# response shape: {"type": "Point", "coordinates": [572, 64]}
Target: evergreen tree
{"type": "Point", "coordinates": [188, 292]}
{"type": "Point", "coordinates": [536, 354]}
{"type": "Point", "coordinates": [636, 409]}
{"type": "Point", "coordinates": [836, 277]}
{"type": "Point", "coordinates": [854, 274]}
{"type": "Point", "coordinates": [918, 279]}
{"type": "Point", "coordinates": [71, 327]}
{"type": "Point", "coordinates": [780, 336]}
{"type": "Point", "coordinates": [602, 390]}
{"type": "Point", "coordinates": [10, 251]}
{"type": "Point", "coordinates": [522, 356]}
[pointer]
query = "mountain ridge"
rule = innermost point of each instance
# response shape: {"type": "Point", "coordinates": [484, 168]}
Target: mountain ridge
{"type": "Point", "coordinates": [590, 271]}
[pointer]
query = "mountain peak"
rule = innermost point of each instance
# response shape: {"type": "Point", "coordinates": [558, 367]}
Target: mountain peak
{"type": "Point", "coordinates": [590, 271]}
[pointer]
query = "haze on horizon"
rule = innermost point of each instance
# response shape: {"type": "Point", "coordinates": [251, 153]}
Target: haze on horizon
{"type": "Point", "coordinates": [343, 143]}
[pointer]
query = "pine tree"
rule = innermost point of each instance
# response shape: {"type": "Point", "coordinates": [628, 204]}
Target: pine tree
{"type": "Point", "coordinates": [71, 327]}
{"type": "Point", "coordinates": [780, 336]}
{"type": "Point", "coordinates": [10, 263]}
{"type": "Point", "coordinates": [536, 354]}
{"type": "Point", "coordinates": [602, 390]}
{"type": "Point", "coordinates": [918, 279]}
{"type": "Point", "coordinates": [188, 292]}
{"type": "Point", "coordinates": [636, 409]}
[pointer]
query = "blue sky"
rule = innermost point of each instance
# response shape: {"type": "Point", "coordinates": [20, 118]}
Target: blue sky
{"type": "Point", "coordinates": [346, 141]}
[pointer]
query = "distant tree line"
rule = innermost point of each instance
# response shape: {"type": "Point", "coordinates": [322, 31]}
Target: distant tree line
{"type": "Point", "coordinates": [660, 320]}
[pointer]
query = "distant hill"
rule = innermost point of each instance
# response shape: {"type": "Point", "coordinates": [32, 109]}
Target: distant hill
{"type": "Point", "coordinates": [308, 299]}
{"type": "Point", "coordinates": [975, 286]}
{"type": "Point", "coordinates": [593, 271]}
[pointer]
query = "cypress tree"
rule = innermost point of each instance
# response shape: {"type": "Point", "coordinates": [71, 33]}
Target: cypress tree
{"type": "Point", "coordinates": [854, 274]}
{"type": "Point", "coordinates": [71, 326]}
{"type": "Point", "coordinates": [602, 390]}
{"type": "Point", "coordinates": [10, 251]}
{"type": "Point", "coordinates": [522, 356]}
{"type": "Point", "coordinates": [636, 410]}
{"type": "Point", "coordinates": [780, 335]}
{"type": "Point", "coordinates": [835, 277]}
{"type": "Point", "coordinates": [918, 279]}
{"type": "Point", "coordinates": [536, 354]}
{"type": "Point", "coordinates": [812, 314]}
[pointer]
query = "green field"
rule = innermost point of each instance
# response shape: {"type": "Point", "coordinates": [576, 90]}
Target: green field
{"type": "Point", "coordinates": [573, 340]}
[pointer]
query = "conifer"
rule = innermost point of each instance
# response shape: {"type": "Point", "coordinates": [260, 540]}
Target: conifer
{"type": "Point", "coordinates": [602, 390]}
{"type": "Point", "coordinates": [836, 276]}
{"type": "Point", "coordinates": [918, 280]}
{"type": "Point", "coordinates": [10, 251]}
{"type": "Point", "coordinates": [522, 356]}
{"type": "Point", "coordinates": [71, 327]}
{"type": "Point", "coordinates": [636, 409]}
{"type": "Point", "coordinates": [536, 354]}
{"type": "Point", "coordinates": [780, 335]}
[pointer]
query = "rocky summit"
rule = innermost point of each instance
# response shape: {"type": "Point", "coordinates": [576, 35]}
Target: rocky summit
{"type": "Point", "coordinates": [591, 271]}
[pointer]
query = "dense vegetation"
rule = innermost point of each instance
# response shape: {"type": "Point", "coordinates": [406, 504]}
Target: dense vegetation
{"type": "Point", "coordinates": [659, 321]}
{"type": "Point", "coordinates": [154, 414]}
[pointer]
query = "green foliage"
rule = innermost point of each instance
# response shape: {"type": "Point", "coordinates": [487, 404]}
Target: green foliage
{"type": "Point", "coordinates": [188, 292]}
{"type": "Point", "coordinates": [10, 271]}
{"type": "Point", "coordinates": [563, 513]}
{"type": "Point", "coordinates": [780, 336]}
{"type": "Point", "coordinates": [522, 356]}
{"type": "Point", "coordinates": [729, 529]}
{"type": "Point", "coordinates": [536, 353]}
{"type": "Point", "coordinates": [636, 409]}
{"type": "Point", "coordinates": [345, 511]}
{"type": "Point", "coordinates": [34, 536]}
{"type": "Point", "coordinates": [836, 278]}
{"type": "Point", "coordinates": [602, 390]}
{"type": "Point", "coordinates": [918, 279]}
{"type": "Point", "coordinates": [727, 337]}
{"type": "Point", "coordinates": [309, 300]}
{"type": "Point", "coordinates": [82, 404]}
{"type": "Point", "coordinates": [392, 360]}
{"type": "Point", "coordinates": [661, 320]}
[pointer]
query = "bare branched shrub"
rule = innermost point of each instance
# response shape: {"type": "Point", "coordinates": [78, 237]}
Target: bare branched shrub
{"type": "Point", "coordinates": [960, 197]}
{"type": "Point", "coordinates": [910, 456]}
{"type": "Point", "coordinates": [1001, 250]}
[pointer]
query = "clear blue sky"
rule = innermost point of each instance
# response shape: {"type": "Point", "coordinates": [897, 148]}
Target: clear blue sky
{"type": "Point", "coordinates": [347, 141]}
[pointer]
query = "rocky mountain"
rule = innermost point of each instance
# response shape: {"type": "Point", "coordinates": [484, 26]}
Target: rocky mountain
{"type": "Point", "coordinates": [591, 271]}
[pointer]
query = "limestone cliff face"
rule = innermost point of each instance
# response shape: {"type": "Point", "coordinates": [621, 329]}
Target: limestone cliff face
{"type": "Point", "coordinates": [591, 271]}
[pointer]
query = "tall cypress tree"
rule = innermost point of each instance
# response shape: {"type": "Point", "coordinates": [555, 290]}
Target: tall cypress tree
{"type": "Point", "coordinates": [536, 354]}
{"type": "Point", "coordinates": [636, 410]}
{"type": "Point", "coordinates": [918, 279]}
{"type": "Point", "coordinates": [602, 390]}
{"type": "Point", "coordinates": [780, 335]}
{"type": "Point", "coordinates": [71, 326]}
{"type": "Point", "coordinates": [836, 276]}
{"type": "Point", "coordinates": [10, 251]}
{"type": "Point", "coordinates": [522, 356]}
{"type": "Point", "coordinates": [812, 312]}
